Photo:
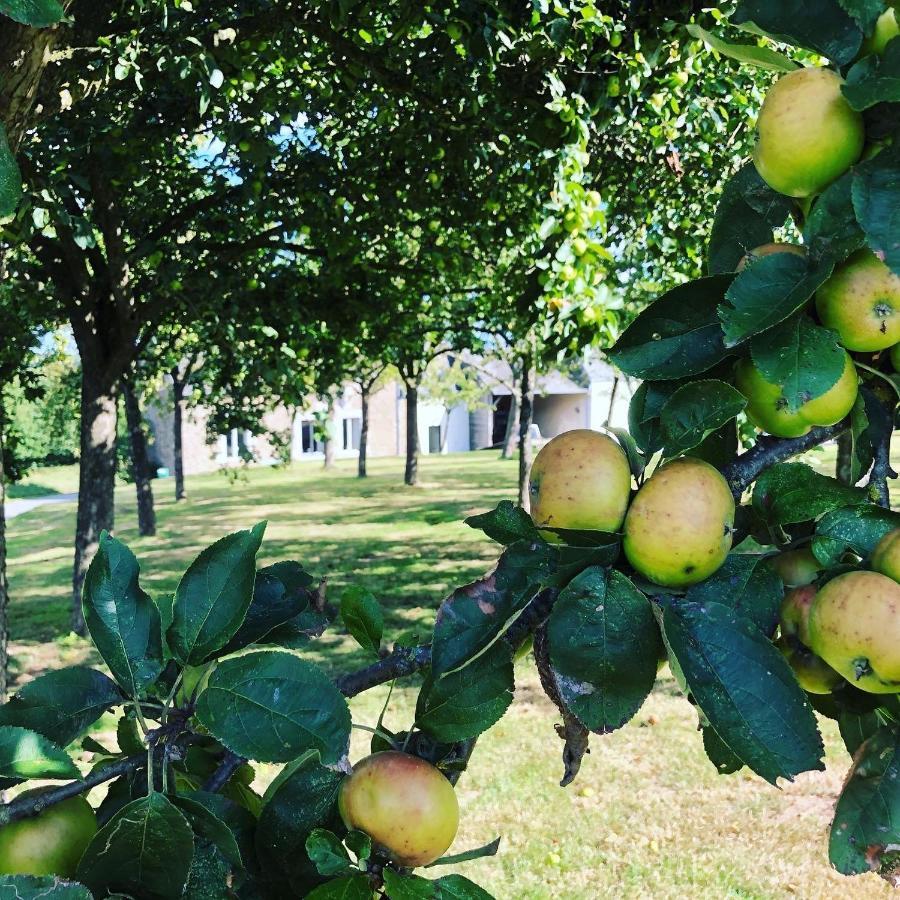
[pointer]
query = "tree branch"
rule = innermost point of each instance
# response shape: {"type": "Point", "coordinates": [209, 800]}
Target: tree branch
{"type": "Point", "coordinates": [230, 763]}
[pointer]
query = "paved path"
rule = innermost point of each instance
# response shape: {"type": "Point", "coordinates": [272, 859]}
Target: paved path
{"type": "Point", "coordinates": [17, 507]}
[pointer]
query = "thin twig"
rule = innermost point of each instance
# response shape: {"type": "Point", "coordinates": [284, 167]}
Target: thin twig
{"type": "Point", "coordinates": [230, 763]}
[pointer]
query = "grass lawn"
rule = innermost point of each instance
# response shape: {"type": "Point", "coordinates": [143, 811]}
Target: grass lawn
{"type": "Point", "coordinates": [43, 481]}
{"type": "Point", "coordinates": [647, 818]}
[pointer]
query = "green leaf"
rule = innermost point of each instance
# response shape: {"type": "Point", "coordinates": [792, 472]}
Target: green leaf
{"type": "Point", "coordinates": [403, 886]}
{"type": "Point", "coordinates": [363, 617]}
{"type": "Point", "coordinates": [213, 596]}
{"type": "Point", "coordinates": [467, 701]}
{"type": "Point", "coordinates": [746, 583]}
{"type": "Point", "coordinates": [719, 754]}
{"type": "Point", "coordinates": [862, 453]}
{"type": "Point", "coordinates": [209, 826]}
{"type": "Point", "coordinates": [506, 523]}
{"type": "Point", "coordinates": [301, 799]}
{"type": "Point", "coordinates": [359, 843]}
{"type": "Point", "coordinates": [123, 621]}
{"type": "Point", "coordinates": [719, 447]}
{"type": "Point", "coordinates": [644, 410]}
{"type": "Point", "coordinates": [875, 79]}
{"type": "Point", "coordinates": [604, 648]}
{"type": "Point", "coordinates": [210, 875]}
{"type": "Point", "coordinates": [637, 462]}
{"type": "Point", "coordinates": [867, 814]}
{"type": "Point", "coordinates": [677, 335]}
{"type": "Point", "coordinates": [327, 852]}
{"type": "Point", "coordinates": [46, 887]}
{"type": "Point", "coordinates": [240, 822]}
{"type": "Point", "coordinates": [62, 704]}
{"type": "Point", "coordinates": [831, 231]}
{"type": "Point", "coordinates": [37, 13]}
{"type": "Point", "coordinates": [27, 754]}
{"type": "Point", "coordinates": [858, 528]}
{"type": "Point", "coordinates": [468, 855]}
{"type": "Point", "coordinates": [876, 199]}
{"type": "Point", "coordinates": [793, 492]}
{"type": "Point", "coordinates": [857, 728]}
{"type": "Point", "coordinates": [145, 849]}
{"type": "Point", "coordinates": [457, 887]}
{"type": "Point", "coordinates": [822, 26]}
{"type": "Point", "coordinates": [805, 359]}
{"type": "Point", "coordinates": [746, 215]}
{"type": "Point", "coordinates": [10, 177]}
{"type": "Point", "coordinates": [695, 411]}
{"type": "Point", "coordinates": [768, 292]}
{"type": "Point", "coordinates": [745, 689]}
{"type": "Point", "coordinates": [865, 12]}
{"type": "Point", "coordinates": [752, 54]}
{"type": "Point", "coordinates": [475, 615]}
{"type": "Point", "coordinates": [273, 706]}
{"type": "Point", "coordinates": [351, 887]}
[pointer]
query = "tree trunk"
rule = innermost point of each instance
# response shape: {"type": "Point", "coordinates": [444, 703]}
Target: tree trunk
{"type": "Point", "coordinates": [526, 410]}
{"type": "Point", "coordinates": [511, 437]}
{"type": "Point", "coordinates": [363, 431]}
{"type": "Point", "coordinates": [140, 462]}
{"type": "Point", "coordinates": [177, 425]}
{"type": "Point", "coordinates": [612, 401]}
{"type": "Point", "coordinates": [411, 474]}
{"type": "Point", "coordinates": [844, 461]}
{"type": "Point", "coordinates": [4, 585]}
{"type": "Point", "coordinates": [328, 447]}
{"type": "Point", "coordinates": [96, 484]}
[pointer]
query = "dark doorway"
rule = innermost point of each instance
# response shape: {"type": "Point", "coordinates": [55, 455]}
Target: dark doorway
{"type": "Point", "coordinates": [502, 407]}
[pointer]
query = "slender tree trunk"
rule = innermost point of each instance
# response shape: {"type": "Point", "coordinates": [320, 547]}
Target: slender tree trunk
{"type": "Point", "coordinates": [140, 461]}
{"type": "Point", "coordinates": [526, 411]}
{"type": "Point", "coordinates": [177, 434]}
{"type": "Point", "coordinates": [411, 474]}
{"type": "Point", "coordinates": [612, 400]}
{"type": "Point", "coordinates": [329, 436]}
{"type": "Point", "coordinates": [363, 431]}
{"type": "Point", "coordinates": [512, 429]}
{"type": "Point", "coordinates": [843, 464]}
{"type": "Point", "coordinates": [4, 584]}
{"type": "Point", "coordinates": [96, 485]}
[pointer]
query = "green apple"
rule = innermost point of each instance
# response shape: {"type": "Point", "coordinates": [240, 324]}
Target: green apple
{"type": "Point", "coordinates": [767, 250]}
{"type": "Point", "coordinates": [403, 803]}
{"type": "Point", "coordinates": [861, 302]}
{"type": "Point", "coordinates": [807, 133]}
{"type": "Point", "coordinates": [767, 409]}
{"type": "Point", "coordinates": [854, 625]}
{"type": "Point", "coordinates": [796, 567]}
{"type": "Point", "coordinates": [886, 28]}
{"type": "Point", "coordinates": [886, 555]}
{"type": "Point", "coordinates": [50, 843]}
{"type": "Point", "coordinates": [813, 674]}
{"type": "Point", "coordinates": [678, 529]}
{"type": "Point", "coordinates": [581, 480]}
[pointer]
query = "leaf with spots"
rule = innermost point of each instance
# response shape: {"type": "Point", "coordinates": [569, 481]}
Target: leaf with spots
{"type": "Point", "coordinates": [793, 492]}
{"type": "Point", "coordinates": [37, 13]}
{"type": "Point", "coordinates": [876, 199]}
{"type": "Point", "coordinates": [10, 178]}
{"type": "Point", "coordinates": [506, 523]}
{"type": "Point", "coordinates": [858, 528]}
{"type": "Point", "coordinates": [45, 887]}
{"type": "Point", "coordinates": [695, 411]}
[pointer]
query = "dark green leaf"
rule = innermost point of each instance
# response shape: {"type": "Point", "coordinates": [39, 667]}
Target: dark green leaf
{"type": "Point", "coordinates": [129, 737]}
{"type": "Point", "coordinates": [273, 706]}
{"type": "Point", "coordinates": [695, 411]}
{"type": "Point", "coordinates": [506, 523]}
{"type": "Point", "coordinates": [47, 887]}
{"type": "Point", "coordinates": [858, 528]}
{"type": "Point", "coordinates": [363, 617]}
{"type": "Point", "coordinates": [822, 26]}
{"type": "Point", "coordinates": [240, 821]}
{"type": "Point", "coordinates": [467, 855]}
{"type": "Point", "coordinates": [637, 462]}
{"type": "Point", "coordinates": [876, 199]}
{"type": "Point", "coordinates": [862, 453]}
{"type": "Point", "coordinates": [63, 704]}
{"type": "Point", "coordinates": [867, 815]}
{"type": "Point", "coordinates": [604, 648]}
{"type": "Point", "coordinates": [875, 79]}
{"type": "Point", "coordinates": [213, 596]}
{"type": "Point", "coordinates": [747, 583]}
{"type": "Point", "coordinates": [745, 689]}
{"type": "Point", "coordinates": [123, 621]}
{"type": "Point", "coordinates": [747, 213]}
{"type": "Point", "coordinates": [351, 887]}
{"type": "Point", "coordinates": [793, 492]}
{"type": "Point", "coordinates": [327, 852]}
{"type": "Point", "coordinates": [768, 292]}
{"type": "Point", "coordinates": [644, 411]}
{"type": "Point", "coordinates": [467, 701]}
{"type": "Point", "coordinates": [37, 13]}
{"type": "Point", "coordinates": [302, 798]}
{"type": "Point", "coordinates": [210, 875]}
{"type": "Point", "coordinates": [457, 887]}
{"type": "Point", "coordinates": [209, 826]}
{"type": "Point", "coordinates": [753, 54]}
{"type": "Point", "coordinates": [831, 231]}
{"type": "Point", "coordinates": [10, 178]}
{"type": "Point", "coordinates": [475, 615]}
{"type": "Point", "coordinates": [145, 849]}
{"type": "Point", "coordinates": [402, 886]}
{"type": "Point", "coordinates": [719, 754]}
{"type": "Point", "coordinates": [857, 728]}
{"type": "Point", "coordinates": [27, 754]}
{"type": "Point", "coordinates": [359, 843]}
{"type": "Point", "coordinates": [677, 335]}
{"type": "Point", "coordinates": [800, 356]}
{"type": "Point", "coordinates": [865, 12]}
{"type": "Point", "coordinates": [718, 448]}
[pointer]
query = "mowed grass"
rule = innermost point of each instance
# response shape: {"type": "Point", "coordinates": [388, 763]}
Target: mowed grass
{"type": "Point", "coordinates": [648, 817]}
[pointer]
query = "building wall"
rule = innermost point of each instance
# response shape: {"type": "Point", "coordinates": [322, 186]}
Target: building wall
{"type": "Point", "coordinates": [557, 413]}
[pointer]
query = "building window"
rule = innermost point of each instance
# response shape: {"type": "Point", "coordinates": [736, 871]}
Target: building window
{"type": "Point", "coordinates": [352, 430]}
{"type": "Point", "coordinates": [434, 438]}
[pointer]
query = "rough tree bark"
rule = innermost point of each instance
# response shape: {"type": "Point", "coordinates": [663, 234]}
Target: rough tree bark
{"type": "Point", "coordinates": [178, 386]}
{"type": "Point", "coordinates": [511, 438]}
{"type": "Point", "coordinates": [526, 412]}
{"type": "Point", "coordinates": [364, 390]}
{"type": "Point", "coordinates": [140, 461]}
{"type": "Point", "coordinates": [411, 472]}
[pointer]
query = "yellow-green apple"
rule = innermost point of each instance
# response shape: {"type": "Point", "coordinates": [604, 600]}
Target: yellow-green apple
{"type": "Point", "coordinates": [794, 617]}
{"type": "Point", "coordinates": [50, 843]}
{"type": "Point", "coordinates": [807, 133]}
{"type": "Point", "coordinates": [886, 555]}
{"type": "Point", "coordinates": [886, 29]}
{"type": "Point", "coordinates": [813, 674]}
{"type": "Point", "coordinates": [767, 250]}
{"type": "Point", "coordinates": [403, 803]}
{"type": "Point", "coordinates": [861, 302]}
{"type": "Point", "coordinates": [581, 480]}
{"type": "Point", "coordinates": [768, 410]}
{"type": "Point", "coordinates": [796, 567]}
{"type": "Point", "coordinates": [854, 625]}
{"type": "Point", "coordinates": [678, 529]}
